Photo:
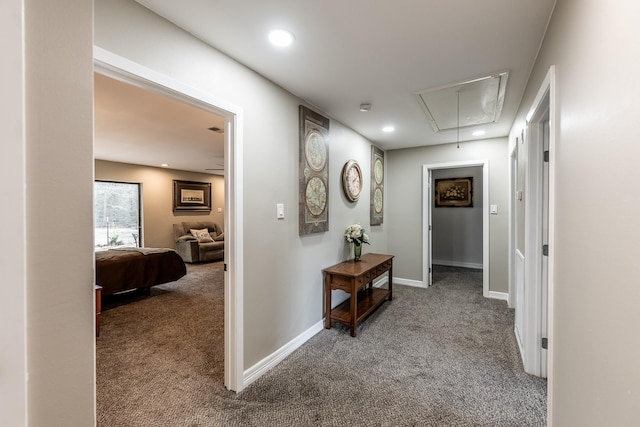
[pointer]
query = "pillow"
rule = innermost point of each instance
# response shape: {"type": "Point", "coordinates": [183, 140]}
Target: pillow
{"type": "Point", "coordinates": [219, 237]}
{"type": "Point", "coordinates": [203, 235]}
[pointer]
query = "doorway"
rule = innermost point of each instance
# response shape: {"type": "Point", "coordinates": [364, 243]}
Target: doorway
{"type": "Point", "coordinates": [124, 70]}
{"type": "Point", "coordinates": [534, 296]}
{"type": "Point", "coordinates": [427, 218]}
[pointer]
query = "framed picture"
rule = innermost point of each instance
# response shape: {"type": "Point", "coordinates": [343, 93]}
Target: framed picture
{"type": "Point", "coordinates": [313, 178]}
{"type": "Point", "coordinates": [454, 192]}
{"type": "Point", "coordinates": [377, 186]}
{"type": "Point", "coordinates": [191, 196]}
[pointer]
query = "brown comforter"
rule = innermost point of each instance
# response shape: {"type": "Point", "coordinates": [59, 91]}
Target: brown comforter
{"type": "Point", "coordinates": [120, 270]}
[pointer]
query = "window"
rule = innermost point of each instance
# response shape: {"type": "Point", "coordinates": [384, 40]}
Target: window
{"type": "Point", "coordinates": [116, 214]}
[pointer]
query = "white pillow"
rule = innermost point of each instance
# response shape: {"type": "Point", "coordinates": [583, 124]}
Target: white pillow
{"type": "Point", "coordinates": [203, 235]}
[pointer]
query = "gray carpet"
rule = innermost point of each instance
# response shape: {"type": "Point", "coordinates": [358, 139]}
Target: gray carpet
{"type": "Point", "coordinates": [442, 356]}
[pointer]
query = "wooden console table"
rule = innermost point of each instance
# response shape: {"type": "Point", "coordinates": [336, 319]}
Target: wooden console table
{"type": "Point", "coordinates": [356, 278]}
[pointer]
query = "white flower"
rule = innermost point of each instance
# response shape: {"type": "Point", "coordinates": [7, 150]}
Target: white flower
{"type": "Point", "coordinates": [354, 233]}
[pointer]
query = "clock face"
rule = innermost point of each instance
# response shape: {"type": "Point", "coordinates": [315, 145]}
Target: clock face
{"type": "Point", "coordinates": [378, 171]}
{"type": "Point", "coordinates": [315, 150]}
{"type": "Point", "coordinates": [316, 196]}
{"type": "Point", "coordinates": [352, 180]}
{"type": "Point", "coordinates": [377, 200]}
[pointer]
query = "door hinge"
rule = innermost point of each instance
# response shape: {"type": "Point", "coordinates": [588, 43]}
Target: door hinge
{"type": "Point", "coordinates": [429, 228]}
{"type": "Point", "coordinates": [545, 250]}
{"type": "Point", "coordinates": [545, 343]}
{"type": "Point", "coordinates": [225, 266]}
{"type": "Point", "coordinates": [546, 156]}
{"type": "Point", "coordinates": [429, 270]}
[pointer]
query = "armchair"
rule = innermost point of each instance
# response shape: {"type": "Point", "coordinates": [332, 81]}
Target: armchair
{"type": "Point", "coordinates": [195, 246]}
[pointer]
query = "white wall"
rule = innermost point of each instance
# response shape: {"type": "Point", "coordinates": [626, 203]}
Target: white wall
{"type": "Point", "coordinates": [47, 170]}
{"type": "Point", "coordinates": [457, 232]}
{"type": "Point", "coordinates": [404, 203]}
{"type": "Point", "coordinates": [157, 198]}
{"type": "Point", "coordinates": [594, 345]}
{"type": "Point", "coordinates": [13, 315]}
{"type": "Point", "coordinates": [282, 271]}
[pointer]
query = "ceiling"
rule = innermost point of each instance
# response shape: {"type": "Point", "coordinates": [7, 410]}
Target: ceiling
{"type": "Point", "coordinates": [133, 125]}
{"type": "Point", "coordinates": [378, 52]}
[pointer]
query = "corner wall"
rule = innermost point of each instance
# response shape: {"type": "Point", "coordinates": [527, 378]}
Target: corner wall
{"type": "Point", "coordinates": [157, 198]}
{"type": "Point", "coordinates": [595, 374]}
{"type": "Point", "coordinates": [404, 203]}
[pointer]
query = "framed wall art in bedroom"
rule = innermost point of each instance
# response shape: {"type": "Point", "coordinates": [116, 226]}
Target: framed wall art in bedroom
{"type": "Point", "coordinates": [191, 196]}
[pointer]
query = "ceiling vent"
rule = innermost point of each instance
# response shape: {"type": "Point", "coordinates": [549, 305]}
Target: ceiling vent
{"type": "Point", "coordinates": [469, 103]}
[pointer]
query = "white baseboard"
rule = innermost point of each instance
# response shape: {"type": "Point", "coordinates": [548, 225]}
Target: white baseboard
{"type": "Point", "coordinates": [260, 368]}
{"type": "Point", "coordinates": [381, 281]}
{"type": "Point", "coordinates": [499, 295]}
{"type": "Point", "coordinates": [409, 282]}
{"type": "Point", "coordinates": [457, 264]}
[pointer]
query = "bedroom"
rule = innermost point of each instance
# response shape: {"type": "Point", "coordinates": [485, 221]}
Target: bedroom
{"type": "Point", "coordinates": [147, 140]}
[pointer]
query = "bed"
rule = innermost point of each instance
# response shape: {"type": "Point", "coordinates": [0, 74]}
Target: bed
{"type": "Point", "coordinates": [124, 269]}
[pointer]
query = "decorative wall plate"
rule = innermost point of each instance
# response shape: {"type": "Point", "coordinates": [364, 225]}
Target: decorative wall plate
{"type": "Point", "coordinates": [352, 180]}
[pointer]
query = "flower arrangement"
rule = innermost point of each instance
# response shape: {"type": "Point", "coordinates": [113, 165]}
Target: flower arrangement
{"type": "Point", "coordinates": [355, 234]}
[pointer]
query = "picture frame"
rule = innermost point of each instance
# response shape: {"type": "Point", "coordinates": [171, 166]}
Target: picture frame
{"type": "Point", "coordinates": [313, 177]}
{"type": "Point", "coordinates": [376, 201]}
{"type": "Point", "coordinates": [454, 192]}
{"type": "Point", "coordinates": [191, 196]}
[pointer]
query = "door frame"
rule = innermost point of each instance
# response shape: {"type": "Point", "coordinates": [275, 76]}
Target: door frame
{"type": "Point", "coordinates": [127, 71]}
{"type": "Point", "coordinates": [427, 203]}
{"type": "Point", "coordinates": [544, 104]}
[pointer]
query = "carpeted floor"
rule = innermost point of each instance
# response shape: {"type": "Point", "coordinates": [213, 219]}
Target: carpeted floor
{"type": "Point", "coordinates": [443, 356]}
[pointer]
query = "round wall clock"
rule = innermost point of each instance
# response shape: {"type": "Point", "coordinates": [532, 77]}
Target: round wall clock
{"type": "Point", "coordinates": [352, 180]}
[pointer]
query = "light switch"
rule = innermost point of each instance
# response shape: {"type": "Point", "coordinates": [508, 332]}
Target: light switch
{"type": "Point", "coordinates": [494, 209]}
{"type": "Point", "coordinates": [219, 210]}
{"type": "Point", "coordinates": [280, 210]}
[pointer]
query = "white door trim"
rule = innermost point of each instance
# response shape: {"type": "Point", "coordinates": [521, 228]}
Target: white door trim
{"type": "Point", "coordinates": [513, 170]}
{"type": "Point", "coordinates": [120, 68]}
{"type": "Point", "coordinates": [427, 202]}
{"type": "Point", "coordinates": [543, 104]}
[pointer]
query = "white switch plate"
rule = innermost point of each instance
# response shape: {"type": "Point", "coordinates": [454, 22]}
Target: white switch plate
{"type": "Point", "coordinates": [494, 209]}
{"type": "Point", "coordinates": [219, 210]}
{"type": "Point", "coordinates": [280, 210]}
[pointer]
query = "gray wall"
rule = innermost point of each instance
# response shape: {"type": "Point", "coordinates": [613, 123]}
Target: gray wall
{"type": "Point", "coordinates": [157, 198]}
{"type": "Point", "coordinates": [457, 232]}
{"type": "Point", "coordinates": [595, 377]}
{"type": "Point", "coordinates": [282, 271]}
{"type": "Point", "coordinates": [404, 203]}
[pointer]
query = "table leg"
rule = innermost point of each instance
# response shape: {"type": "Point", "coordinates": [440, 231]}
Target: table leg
{"type": "Point", "coordinates": [391, 282]}
{"type": "Point", "coordinates": [354, 308]}
{"type": "Point", "coordinates": [327, 299]}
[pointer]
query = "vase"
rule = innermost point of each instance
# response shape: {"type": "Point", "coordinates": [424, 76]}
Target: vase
{"type": "Point", "coordinates": [357, 252]}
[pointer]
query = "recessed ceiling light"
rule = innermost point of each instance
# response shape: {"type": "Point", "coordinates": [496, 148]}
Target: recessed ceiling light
{"type": "Point", "coordinates": [281, 38]}
{"type": "Point", "coordinates": [388, 129]}
{"type": "Point", "coordinates": [164, 165]}
{"type": "Point", "coordinates": [365, 107]}
{"type": "Point", "coordinates": [479, 133]}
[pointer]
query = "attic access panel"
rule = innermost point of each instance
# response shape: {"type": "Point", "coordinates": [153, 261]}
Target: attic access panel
{"type": "Point", "coordinates": [470, 103]}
